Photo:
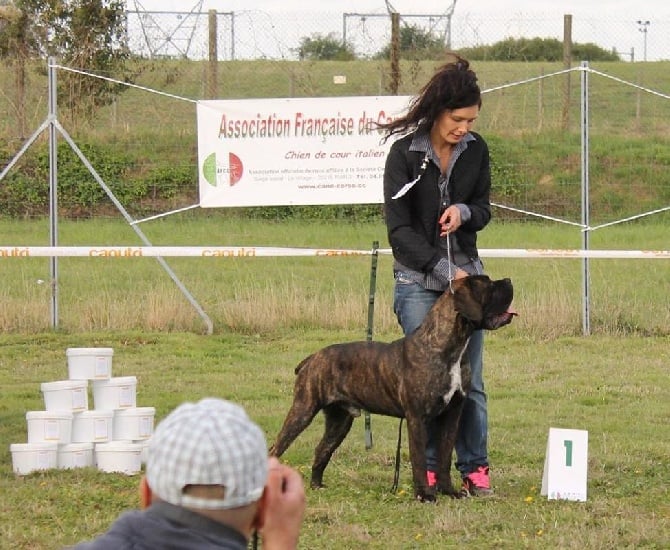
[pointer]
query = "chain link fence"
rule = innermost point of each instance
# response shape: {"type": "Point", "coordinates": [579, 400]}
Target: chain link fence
{"type": "Point", "coordinates": [262, 35]}
{"type": "Point", "coordinates": [147, 137]}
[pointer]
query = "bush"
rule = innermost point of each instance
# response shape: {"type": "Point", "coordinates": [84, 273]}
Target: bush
{"type": "Point", "coordinates": [536, 49]}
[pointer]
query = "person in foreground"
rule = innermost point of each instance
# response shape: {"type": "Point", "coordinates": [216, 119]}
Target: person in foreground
{"type": "Point", "coordinates": [209, 484]}
{"type": "Point", "coordinates": [437, 182]}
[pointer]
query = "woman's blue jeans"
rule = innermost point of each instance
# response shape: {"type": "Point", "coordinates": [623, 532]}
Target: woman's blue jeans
{"type": "Point", "coordinates": [411, 303]}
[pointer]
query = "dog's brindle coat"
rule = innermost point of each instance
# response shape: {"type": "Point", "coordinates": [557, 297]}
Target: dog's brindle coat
{"type": "Point", "coordinates": [418, 377]}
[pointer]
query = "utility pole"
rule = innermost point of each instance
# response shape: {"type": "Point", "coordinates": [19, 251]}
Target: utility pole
{"type": "Point", "coordinates": [643, 27]}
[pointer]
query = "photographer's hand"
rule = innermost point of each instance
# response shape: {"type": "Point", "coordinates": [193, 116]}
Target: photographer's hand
{"type": "Point", "coordinates": [285, 506]}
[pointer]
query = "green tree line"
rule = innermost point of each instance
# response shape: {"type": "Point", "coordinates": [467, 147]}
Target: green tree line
{"type": "Point", "coordinates": [416, 43]}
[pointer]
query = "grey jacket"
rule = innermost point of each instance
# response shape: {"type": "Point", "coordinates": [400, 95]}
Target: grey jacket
{"type": "Point", "coordinates": [166, 527]}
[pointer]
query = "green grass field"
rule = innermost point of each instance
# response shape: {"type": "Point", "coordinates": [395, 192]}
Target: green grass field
{"type": "Point", "coordinates": [616, 388]}
{"type": "Point", "coordinates": [269, 313]}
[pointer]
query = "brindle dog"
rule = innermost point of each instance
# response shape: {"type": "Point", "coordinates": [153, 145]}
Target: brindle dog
{"type": "Point", "coordinates": [419, 377]}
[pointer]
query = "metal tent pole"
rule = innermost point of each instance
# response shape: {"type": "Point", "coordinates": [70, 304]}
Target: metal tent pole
{"type": "Point", "coordinates": [53, 190]}
{"type": "Point", "coordinates": [55, 128]}
{"type": "Point", "coordinates": [586, 328]}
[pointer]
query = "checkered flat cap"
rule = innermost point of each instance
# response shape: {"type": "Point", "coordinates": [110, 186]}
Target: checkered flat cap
{"type": "Point", "coordinates": [212, 442]}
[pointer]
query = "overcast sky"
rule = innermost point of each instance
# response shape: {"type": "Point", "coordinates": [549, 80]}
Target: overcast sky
{"type": "Point", "coordinates": [641, 9]}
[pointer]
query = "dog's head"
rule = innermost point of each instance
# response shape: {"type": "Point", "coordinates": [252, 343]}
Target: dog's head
{"type": "Point", "coordinates": [485, 303]}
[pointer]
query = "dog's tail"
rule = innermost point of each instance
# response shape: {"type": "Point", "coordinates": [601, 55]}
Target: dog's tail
{"type": "Point", "coordinates": [303, 363]}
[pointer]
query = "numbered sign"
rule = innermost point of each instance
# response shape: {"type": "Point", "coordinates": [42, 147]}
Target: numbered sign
{"type": "Point", "coordinates": [565, 465]}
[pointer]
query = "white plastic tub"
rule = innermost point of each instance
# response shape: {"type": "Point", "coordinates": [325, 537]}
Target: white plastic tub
{"type": "Point", "coordinates": [119, 456]}
{"type": "Point", "coordinates": [115, 393]}
{"type": "Point", "coordinates": [134, 424]}
{"type": "Point", "coordinates": [89, 363]}
{"type": "Point", "coordinates": [92, 426]}
{"type": "Point", "coordinates": [49, 426]}
{"type": "Point", "coordinates": [65, 395]}
{"type": "Point", "coordinates": [145, 449]}
{"type": "Point", "coordinates": [30, 457]}
{"type": "Point", "coordinates": [75, 455]}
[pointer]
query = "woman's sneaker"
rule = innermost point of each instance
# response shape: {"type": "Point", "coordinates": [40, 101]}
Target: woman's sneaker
{"type": "Point", "coordinates": [477, 483]}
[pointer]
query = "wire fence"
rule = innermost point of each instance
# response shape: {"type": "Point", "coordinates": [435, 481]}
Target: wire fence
{"type": "Point", "coordinates": [146, 140]}
{"type": "Point", "coordinates": [263, 35]}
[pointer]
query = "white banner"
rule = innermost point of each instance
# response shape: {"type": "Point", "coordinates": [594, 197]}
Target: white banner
{"type": "Point", "coordinates": [296, 151]}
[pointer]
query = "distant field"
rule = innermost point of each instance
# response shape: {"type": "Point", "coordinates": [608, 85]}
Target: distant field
{"type": "Point", "coordinates": [534, 106]}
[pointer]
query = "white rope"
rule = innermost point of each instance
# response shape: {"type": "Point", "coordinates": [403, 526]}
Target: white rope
{"type": "Point", "coordinates": [621, 81]}
{"type": "Point", "coordinates": [130, 85]}
{"type": "Point", "coordinates": [177, 211]}
{"type": "Point", "coordinates": [528, 80]}
{"type": "Point", "coordinates": [637, 216]}
{"type": "Point", "coordinates": [543, 216]}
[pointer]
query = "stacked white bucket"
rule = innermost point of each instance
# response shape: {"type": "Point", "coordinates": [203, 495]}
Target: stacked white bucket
{"type": "Point", "coordinates": [112, 436]}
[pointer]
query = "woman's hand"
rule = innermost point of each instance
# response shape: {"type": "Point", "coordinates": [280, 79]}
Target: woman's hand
{"type": "Point", "coordinates": [450, 220]}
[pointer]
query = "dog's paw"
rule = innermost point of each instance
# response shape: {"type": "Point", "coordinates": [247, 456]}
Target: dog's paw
{"type": "Point", "coordinates": [426, 497]}
{"type": "Point", "coordinates": [449, 491]}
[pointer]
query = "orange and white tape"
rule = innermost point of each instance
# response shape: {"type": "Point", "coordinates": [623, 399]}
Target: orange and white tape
{"type": "Point", "coordinates": [263, 251]}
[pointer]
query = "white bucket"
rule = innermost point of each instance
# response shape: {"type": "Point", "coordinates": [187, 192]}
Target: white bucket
{"type": "Point", "coordinates": [49, 426]}
{"type": "Point", "coordinates": [65, 395]}
{"type": "Point", "coordinates": [75, 455]}
{"type": "Point", "coordinates": [119, 456]}
{"type": "Point", "coordinates": [145, 449]}
{"type": "Point", "coordinates": [92, 426]}
{"type": "Point", "coordinates": [89, 363]}
{"type": "Point", "coordinates": [115, 393]}
{"type": "Point", "coordinates": [134, 424]}
{"type": "Point", "coordinates": [29, 457]}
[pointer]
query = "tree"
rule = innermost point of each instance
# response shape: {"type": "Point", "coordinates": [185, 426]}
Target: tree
{"type": "Point", "coordinates": [324, 47]}
{"type": "Point", "coordinates": [416, 43]}
{"type": "Point", "coordinates": [88, 35]}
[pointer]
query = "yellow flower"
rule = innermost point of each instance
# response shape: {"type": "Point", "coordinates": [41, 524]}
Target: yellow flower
{"type": "Point", "coordinates": [528, 499]}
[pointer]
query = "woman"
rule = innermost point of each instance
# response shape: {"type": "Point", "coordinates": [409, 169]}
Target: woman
{"type": "Point", "coordinates": [437, 183]}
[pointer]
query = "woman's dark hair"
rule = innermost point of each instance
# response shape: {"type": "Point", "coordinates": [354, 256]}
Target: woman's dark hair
{"type": "Point", "coordinates": [453, 86]}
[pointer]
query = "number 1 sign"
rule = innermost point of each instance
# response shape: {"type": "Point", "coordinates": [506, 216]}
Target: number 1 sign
{"type": "Point", "coordinates": [565, 465]}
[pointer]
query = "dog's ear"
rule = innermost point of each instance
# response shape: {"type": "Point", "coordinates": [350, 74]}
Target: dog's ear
{"type": "Point", "coordinates": [469, 296]}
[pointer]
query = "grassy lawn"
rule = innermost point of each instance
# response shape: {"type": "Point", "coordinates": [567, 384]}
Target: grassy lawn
{"type": "Point", "coordinates": [616, 388]}
{"type": "Point", "coordinates": [269, 313]}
